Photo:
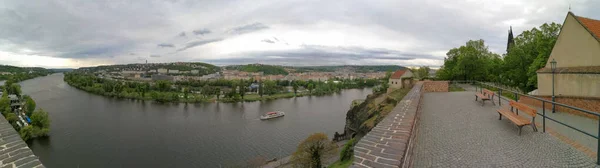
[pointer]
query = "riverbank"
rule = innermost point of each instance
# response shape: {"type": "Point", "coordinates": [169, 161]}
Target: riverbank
{"type": "Point", "coordinates": [238, 91]}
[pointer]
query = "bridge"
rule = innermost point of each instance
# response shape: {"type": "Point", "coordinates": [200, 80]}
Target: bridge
{"type": "Point", "coordinates": [14, 152]}
{"type": "Point", "coordinates": [450, 129]}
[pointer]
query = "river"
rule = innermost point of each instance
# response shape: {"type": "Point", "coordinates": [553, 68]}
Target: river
{"type": "Point", "coordinates": [88, 130]}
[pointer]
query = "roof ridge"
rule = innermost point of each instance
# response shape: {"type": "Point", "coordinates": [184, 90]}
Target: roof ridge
{"type": "Point", "coordinates": [591, 25]}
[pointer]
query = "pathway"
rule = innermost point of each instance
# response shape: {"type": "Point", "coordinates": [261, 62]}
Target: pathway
{"type": "Point", "coordinates": [455, 131]}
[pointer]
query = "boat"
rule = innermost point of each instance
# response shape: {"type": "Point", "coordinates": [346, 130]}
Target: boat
{"type": "Point", "coordinates": [273, 114]}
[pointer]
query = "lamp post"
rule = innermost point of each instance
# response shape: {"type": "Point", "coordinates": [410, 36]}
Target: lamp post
{"type": "Point", "coordinates": [553, 67]}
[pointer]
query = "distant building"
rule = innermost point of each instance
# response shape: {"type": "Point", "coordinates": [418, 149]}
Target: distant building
{"type": "Point", "coordinates": [401, 79]}
{"type": "Point", "coordinates": [162, 70]}
{"type": "Point", "coordinates": [173, 71]}
{"type": "Point", "coordinates": [156, 77]}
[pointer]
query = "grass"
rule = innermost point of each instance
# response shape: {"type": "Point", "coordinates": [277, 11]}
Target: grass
{"type": "Point", "coordinates": [340, 164]}
{"type": "Point", "coordinates": [506, 94]}
{"type": "Point", "coordinates": [455, 88]}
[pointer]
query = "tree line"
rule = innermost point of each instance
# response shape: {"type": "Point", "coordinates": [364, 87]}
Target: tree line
{"type": "Point", "coordinates": [517, 68]}
{"type": "Point", "coordinates": [211, 90]}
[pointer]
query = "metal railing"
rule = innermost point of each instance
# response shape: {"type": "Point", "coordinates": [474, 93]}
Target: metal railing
{"type": "Point", "coordinates": [543, 114]}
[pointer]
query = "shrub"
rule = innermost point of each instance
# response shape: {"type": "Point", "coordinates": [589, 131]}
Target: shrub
{"type": "Point", "coordinates": [347, 151]}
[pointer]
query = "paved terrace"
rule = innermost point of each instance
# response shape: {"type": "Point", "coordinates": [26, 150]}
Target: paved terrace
{"type": "Point", "coordinates": [13, 150]}
{"type": "Point", "coordinates": [455, 131]}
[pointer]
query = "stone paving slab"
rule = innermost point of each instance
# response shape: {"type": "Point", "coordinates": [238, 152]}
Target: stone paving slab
{"type": "Point", "coordinates": [386, 144]}
{"type": "Point", "coordinates": [14, 152]}
{"type": "Point", "coordinates": [456, 131]}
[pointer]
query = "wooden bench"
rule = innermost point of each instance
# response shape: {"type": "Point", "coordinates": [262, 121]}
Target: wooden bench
{"type": "Point", "coordinates": [520, 121]}
{"type": "Point", "coordinates": [486, 95]}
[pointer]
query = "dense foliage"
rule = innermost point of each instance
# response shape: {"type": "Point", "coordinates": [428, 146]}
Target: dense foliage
{"type": "Point", "coordinates": [348, 150]}
{"type": "Point", "coordinates": [40, 122]}
{"type": "Point", "coordinates": [18, 74]}
{"type": "Point", "coordinates": [530, 52]}
{"type": "Point", "coordinates": [203, 68]}
{"type": "Point", "coordinates": [204, 91]}
{"type": "Point", "coordinates": [358, 69]}
{"type": "Point", "coordinates": [313, 150]}
{"type": "Point", "coordinates": [266, 69]}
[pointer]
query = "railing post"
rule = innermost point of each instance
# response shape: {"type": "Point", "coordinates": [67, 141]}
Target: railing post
{"type": "Point", "coordinates": [544, 115]}
{"type": "Point", "coordinates": [516, 98]}
{"type": "Point", "coordinates": [499, 97]}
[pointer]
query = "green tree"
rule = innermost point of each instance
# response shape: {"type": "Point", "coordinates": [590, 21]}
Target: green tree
{"type": "Point", "coordinates": [40, 119]}
{"type": "Point", "coordinates": [186, 92]}
{"type": "Point", "coordinates": [295, 86]}
{"type": "Point", "coordinates": [11, 117]}
{"type": "Point", "coordinates": [243, 88]}
{"type": "Point", "coordinates": [27, 132]}
{"type": "Point", "coordinates": [310, 87]}
{"type": "Point", "coordinates": [218, 92]}
{"type": "Point", "coordinates": [529, 53]}
{"type": "Point", "coordinates": [313, 150]}
{"type": "Point", "coordinates": [261, 89]}
{"type": "Point", "coordinates": [29, 105]}
{"type": "Point", "coordinates": [163, 85]}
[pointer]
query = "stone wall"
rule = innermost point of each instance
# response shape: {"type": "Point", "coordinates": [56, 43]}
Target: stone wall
{"type": "Point", "coordinates": [386, 145]}
{"type": "Point", "coordinates": [587, 103]}
{"type": "Point", "coordinates": [435, 86]}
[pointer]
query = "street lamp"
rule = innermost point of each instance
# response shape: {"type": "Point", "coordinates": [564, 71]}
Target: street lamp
{"type": "Point", "coordinates": [553, 67]}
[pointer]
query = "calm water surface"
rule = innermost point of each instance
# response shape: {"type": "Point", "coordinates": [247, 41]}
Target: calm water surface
{"type": "Point", "coordinates": [94, 131]}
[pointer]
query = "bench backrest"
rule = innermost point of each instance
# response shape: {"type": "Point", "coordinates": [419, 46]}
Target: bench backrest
{"type": "Point", "coordinates": [488, 93]}
{"type": "Point", "coordinates": [524, 108]}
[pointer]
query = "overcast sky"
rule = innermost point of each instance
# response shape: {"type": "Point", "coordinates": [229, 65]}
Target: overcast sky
{"type": "Point", "coordinates": [78, 33]}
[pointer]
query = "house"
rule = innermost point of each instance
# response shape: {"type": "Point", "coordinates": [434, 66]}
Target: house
{"type": "Point", "coordinates": [400, 79]}
{"type": "Point", "coordinates": [577, 56]}
{"type": "Point", "coordinates": [576, 79]}
{"type": "Point", "coordinates": [162, 70]}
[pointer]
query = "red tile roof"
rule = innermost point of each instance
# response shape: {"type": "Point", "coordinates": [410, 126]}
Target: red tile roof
{"type": "Point", "coordinates": [398, 74]}
{"type": "Point", "coordinates": [591, 24]}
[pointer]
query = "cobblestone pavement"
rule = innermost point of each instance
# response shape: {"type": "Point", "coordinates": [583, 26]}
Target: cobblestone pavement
{"type": "Point", "coordinates": [456, 131]}
{"type": "Point", "coordinates": [586, 124]}
{"type": "Point", "coordinates": [13, 150]}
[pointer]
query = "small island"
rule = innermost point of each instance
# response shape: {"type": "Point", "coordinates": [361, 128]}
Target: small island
{"type": "Point", "coordinates": [201, 82]}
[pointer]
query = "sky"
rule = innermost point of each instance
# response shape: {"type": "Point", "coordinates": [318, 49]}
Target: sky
{"type": "Point", "coordinates": [82, 33]}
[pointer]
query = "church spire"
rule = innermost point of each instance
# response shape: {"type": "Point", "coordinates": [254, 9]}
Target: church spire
{"type": "Point", "coordinates": [511, 41]}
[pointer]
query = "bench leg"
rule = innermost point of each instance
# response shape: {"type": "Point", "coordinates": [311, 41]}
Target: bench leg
{"type": "Point", "coordinates": [475, 97]}
{"type": "Point", "coordinates": [520, 128]}
{"type": "Point", "coordinates": [500, 118]}
{"type": "Point", "coordinates": [534, 127]}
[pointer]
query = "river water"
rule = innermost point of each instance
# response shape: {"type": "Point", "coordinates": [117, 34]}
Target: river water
{"type": "Point", "coordinates": [93, 131]}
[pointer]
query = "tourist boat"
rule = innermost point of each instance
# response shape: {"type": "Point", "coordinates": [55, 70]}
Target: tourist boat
{"type": "Point", "coordinates": [273, 114]}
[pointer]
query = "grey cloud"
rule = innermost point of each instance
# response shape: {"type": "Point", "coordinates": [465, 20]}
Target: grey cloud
{"type": "Point", "coordinates": [155, 56]}
{"type": "Point", "coordinates": [201, 32]}
{"type": "Point", "coordinates": [198, 43]}
{"type": "Point", "coordinates": [268, 41]}
{"type": "Point", "coordinates": [248, 28]}
{"type": "Point", "coordinates": [163, 45]}
{"type": "Point", "coordinates": [182, 34]}
{"type": "Point", "coordinates": [323, 55]}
